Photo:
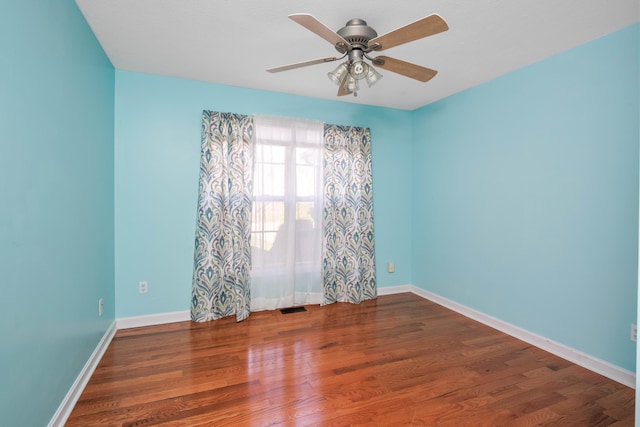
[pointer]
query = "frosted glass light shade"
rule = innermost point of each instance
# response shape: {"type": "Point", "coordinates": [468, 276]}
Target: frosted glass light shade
{"type": "Point", "coordinates": [337, 74]}
{"type": "Point", "coordinates": [352, 84]}
{"type": "Point", "coordinates": [373, 77]}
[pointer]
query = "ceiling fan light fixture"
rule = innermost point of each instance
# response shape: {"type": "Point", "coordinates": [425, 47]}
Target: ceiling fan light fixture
{"type": "Point", "coordinates": [338, 74]}
{"type": "Point", "coordinates": [373, 77]}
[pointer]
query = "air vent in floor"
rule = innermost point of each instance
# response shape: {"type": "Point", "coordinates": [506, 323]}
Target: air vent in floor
{"type": "Point", "coordinates": [292, 310]}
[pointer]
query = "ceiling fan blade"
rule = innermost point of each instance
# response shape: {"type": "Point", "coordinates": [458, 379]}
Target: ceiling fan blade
{"type": "Point", "coordinates": [301, 64]}
{"type": "Point", "coordinates": [427, 26]}
{"type": "Point", "coordinates": [407, 69]}
{"type": "Point", "coordinates": [342, 90]}
{"type": "Point", "coordinates": [313, 25]}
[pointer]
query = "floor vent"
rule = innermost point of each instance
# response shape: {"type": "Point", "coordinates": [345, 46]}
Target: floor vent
{"type": "Point", "coordinates": [292, 310]}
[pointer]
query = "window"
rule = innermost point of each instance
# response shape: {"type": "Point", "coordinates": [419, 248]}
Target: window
{"type": "Point", "coordinates": [285, 184]}
{"type": "Point", "coordinates": [286, 233]}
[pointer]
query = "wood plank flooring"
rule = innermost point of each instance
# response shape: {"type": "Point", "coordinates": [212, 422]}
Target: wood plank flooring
{"type": "Point", "coordinates": [399, 360]}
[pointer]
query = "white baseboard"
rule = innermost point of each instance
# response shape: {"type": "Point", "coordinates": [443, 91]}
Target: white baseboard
{"type": "Point", "coordinates": [153, 319]}
{"type": "Point", "coordinates": [399, 289]}
{"type": "Point", "coordinates": [594, 364]}
{"type": "Point", "coordinates": [69, 401]}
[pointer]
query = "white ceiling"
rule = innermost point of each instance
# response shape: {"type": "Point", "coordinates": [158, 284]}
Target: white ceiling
{"type": "Point", "coordinates": [234, 42]}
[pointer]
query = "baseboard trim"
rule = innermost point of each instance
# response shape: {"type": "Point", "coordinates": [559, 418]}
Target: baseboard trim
{"type": "Point", "coordinates": [153, 319]}
{"type": "Point", "coordinates": [70, 400]}
{"type": "Point", "coordinates": [616, 373]}
{"type": "Point", "coordinates": [398, 289]}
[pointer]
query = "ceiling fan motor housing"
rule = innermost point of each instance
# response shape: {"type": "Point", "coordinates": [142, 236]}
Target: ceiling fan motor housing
{"type": "Point", "coordinates": [357, 33]}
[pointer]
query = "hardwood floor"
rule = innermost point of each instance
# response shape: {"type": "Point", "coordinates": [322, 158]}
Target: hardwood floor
{"type": "Point", "coordinates": [397, 361]}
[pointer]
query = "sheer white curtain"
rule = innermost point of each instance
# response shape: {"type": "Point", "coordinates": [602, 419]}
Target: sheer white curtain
{"type": "Point", "coordinates": [286, 228]}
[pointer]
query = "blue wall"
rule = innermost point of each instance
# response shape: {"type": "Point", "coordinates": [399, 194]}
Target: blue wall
{"type": "Point", "coordinates": [157, 151]}
{"type": "Point", "coordinates": [56, 204]}
{"type": "Point", "coordinates": [526, 197]}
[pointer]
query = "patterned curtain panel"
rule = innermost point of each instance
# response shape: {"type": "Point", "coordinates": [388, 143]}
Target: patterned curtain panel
{"type": "Point", "coordinates": [348, 266]}
{"type": "Point", "coordinates": [222, 258]}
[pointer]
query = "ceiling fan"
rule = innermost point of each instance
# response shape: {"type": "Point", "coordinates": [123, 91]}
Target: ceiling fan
{"type": "Point", "coordinates": [356, 40]}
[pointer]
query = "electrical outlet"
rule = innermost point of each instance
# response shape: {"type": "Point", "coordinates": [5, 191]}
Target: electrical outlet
{"type": "Point", "coordinates": [143, 287]}
{"type": "Point", "coordinates": [634, 332]}
{"type": "Point", "coordinates": [391, 267]}
{"type": "Point", "coordinates": [100, 307]}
